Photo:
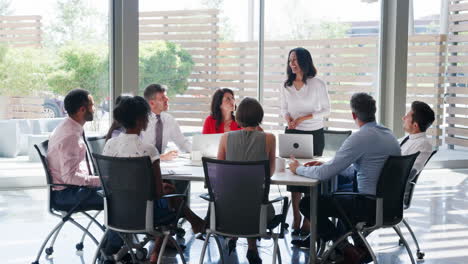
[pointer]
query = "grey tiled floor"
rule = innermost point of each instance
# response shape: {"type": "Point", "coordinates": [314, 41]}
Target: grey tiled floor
{"type": "Point", "coordinates": [438, 216]}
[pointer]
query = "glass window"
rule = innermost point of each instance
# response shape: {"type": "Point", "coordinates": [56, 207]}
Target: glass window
{"type": "Point", "coordinates": [48, 48]}
{"type": "Point", "coordinates": [194, 48]}
{"type": "Point", "coordinates": [426, 60]}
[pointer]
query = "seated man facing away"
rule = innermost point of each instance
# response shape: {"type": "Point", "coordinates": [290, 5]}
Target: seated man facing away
{"type": "Point", "coordinates": [132, 114]}
{"type": "Point", "coordinates": [415, 123]}
{"type": "Point", "coordinates": [363, 153]}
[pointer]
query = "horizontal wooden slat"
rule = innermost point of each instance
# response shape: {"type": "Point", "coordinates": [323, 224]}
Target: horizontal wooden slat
{"type": "Point", "coordinates": [425, 59]}
{"type": "Point", "coordinates": [189, 100]}
{"type": "Point", "coordinates": [223, 84]}
{"type": "Point", "coordinates": [161, 29]}
{"type": "Point", "coordinates": [458, 59]}
{"type": "Point", "coordinates": [457, 131]}
{"type": "Point", "coordinates": [458, 7]}
{"type": "Point", "coordinates": [458, 27]}
{"type": "Point", "coordinates": [20, 32]}
{"type": "Point", "coordinates": [458, 17]}
{"type": "Point", "coordinates": [425, 49]}
{"type": "Point", "coordinates": [456, 100]}
{"type": "Point", "coordinates": [457, 90]}
{"type": "Point", "coordinates": [457, 79]}
{"type": "Point", "coordinates": [179, 37]}
{"type": "Point", "coordinates": [20, 25]}
{"type": "Point", "coordinates": [338, 124]}
{"type": "Point", "coordinates": [457, 121]}
{"type": "Point", "coordinates": [179, 21]}
{"type": "Point", "coordinates": [456, 141]}
{"type": "Point", "coordinates": [20, 38]}
{"type": "Point", "coordinates": [424, 38]}
{"type": "Point", "coordinates": [192, 12]}
{"type": "Point", "coordinates": [19, 18]}
{"type": "Point", "coordinates": [457, 38]}
{"type": "Point", "coordinates": [190, 123]}
{"type": "Point", "coordinates": [457, 110]}
{"type": "Point", "coordinates": [458, 48]}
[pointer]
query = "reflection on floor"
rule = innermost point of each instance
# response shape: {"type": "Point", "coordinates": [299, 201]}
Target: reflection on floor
{"type": "Point", "coordinates": [438, 216]}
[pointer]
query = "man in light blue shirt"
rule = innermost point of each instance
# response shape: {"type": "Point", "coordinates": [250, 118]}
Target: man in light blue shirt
{"type": "Point", "coordinates": [364, 154]}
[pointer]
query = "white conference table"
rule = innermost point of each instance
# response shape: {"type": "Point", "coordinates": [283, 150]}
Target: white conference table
{"type": "Point", "coordinates": [186, 172]}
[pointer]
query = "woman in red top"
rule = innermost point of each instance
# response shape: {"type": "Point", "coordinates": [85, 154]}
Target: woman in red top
{"type": "Point", "coordinates": [221, 118]}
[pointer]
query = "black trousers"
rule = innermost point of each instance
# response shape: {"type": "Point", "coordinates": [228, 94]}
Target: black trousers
{"type": "Point", "coordinates": [356, 208]}
{"type": "Point", "coordinates": [319, 145]}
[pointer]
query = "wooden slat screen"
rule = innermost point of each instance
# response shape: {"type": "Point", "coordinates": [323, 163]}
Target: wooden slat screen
{"type": "Point", "coordinates": [457, 78]}
{"type": "Point", "coordinates": [21, 31]}
{"type": "Point", "coordinates": [347, 65]}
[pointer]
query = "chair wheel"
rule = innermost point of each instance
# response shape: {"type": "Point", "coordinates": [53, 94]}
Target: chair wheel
{"type": "Point", "coordinates": [79, 246]}
{"type": "Point", "coordinates": [286, 225]}
{"type": "Point", "coordinates": [420, 255]}
{"type": "Point", "coordinates": [49, 251]}
{"type": "Point", "coordinates": [35, 262]}
{"type": "Point", "coordinates": [180, 232]}
{"type": "Point", "coordinates": [400, 242]}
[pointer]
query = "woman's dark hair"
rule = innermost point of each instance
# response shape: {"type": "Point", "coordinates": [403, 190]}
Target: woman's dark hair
{"type": "Point", "coordinates": [216, 102]}
{"type": "Point", "coordinates": [116, 125]}
{"type": "Point", "coordinates": [130, 110]}
{"type": "Point", "coordinates": [75, 99]}
{"type": "Point", "coordinates": [304, 59]}
{"type": "Point", "coordinates": [423, 115]}
{"type": "Point", "coordinates": [249, 113]}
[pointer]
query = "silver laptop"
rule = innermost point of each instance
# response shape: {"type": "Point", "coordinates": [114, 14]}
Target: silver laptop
{"type": "Point", "coordinates": [299, 145]}
{"type": "Point", "coordinates": [207, 144]}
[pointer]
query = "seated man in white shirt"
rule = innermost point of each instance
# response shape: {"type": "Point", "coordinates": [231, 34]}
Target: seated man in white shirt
{"type": "Point", "coordinates": [162, 127]}
{"type": "Point", "coordinates": [415, 123]}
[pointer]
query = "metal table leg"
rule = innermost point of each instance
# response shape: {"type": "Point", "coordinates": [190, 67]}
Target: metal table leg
{"type": "Point", "coordinates": [313, 223]}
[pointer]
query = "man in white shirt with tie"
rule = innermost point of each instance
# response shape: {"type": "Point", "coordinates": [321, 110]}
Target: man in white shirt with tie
{"type": "Point", "coordinates": [416, 122]}
{"type": "Point", "coordinates": [162, 127]}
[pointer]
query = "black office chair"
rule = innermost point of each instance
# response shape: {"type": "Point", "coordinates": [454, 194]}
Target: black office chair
{"type": "Point", "coordinates": [129, 195]}
{"type": "Point", "coordinates": [407, 203]}
{"type": "Point", "coordinates": [61, 211]}
{"type": "Point", "coordinates": [388, 204]}
{"type": "Point", "coordinates": [333, 141]}
{"type": "Point", "coordinates": [96, 144]}
{"type": "Point", "coordinates": [238, 196]}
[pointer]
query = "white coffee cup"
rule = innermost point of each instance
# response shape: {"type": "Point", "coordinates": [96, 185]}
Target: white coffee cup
{"type": "Point", "coordinates": [196, 155]}
{"type": "Point", "coordinates": [280, 165]}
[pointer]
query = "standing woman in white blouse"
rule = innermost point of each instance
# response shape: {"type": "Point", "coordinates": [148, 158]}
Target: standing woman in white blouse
{"type": "Point", "coordinates": [304, 104]}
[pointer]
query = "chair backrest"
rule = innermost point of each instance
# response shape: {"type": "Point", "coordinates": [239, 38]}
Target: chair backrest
{"type": "Point", "coordinates": [333, 141]}
{"type": "Point", "coordinates": [96, 144]}
{"type": "Point", "coordinates": [41, 149]}
{"type": "Point", "coordinates": [238, 190]}
{"type": "Point", "coordinates": [129, 185]}
{"type": "Point", "coordinates": [412, 184]}
{"type": "Point", "coordinates": [391, 186]}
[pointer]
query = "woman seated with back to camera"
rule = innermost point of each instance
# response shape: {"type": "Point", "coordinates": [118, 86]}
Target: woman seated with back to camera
{"type": "Point", "coordinates": [249, 144]}
{"type": "Point", "coordinates": [221, 118]}
{"type": "Point", "coordinates": [132, 114]}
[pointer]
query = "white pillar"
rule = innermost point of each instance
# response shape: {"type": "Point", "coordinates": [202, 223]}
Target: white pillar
{"type": "Point", "coordinates": [123, 47]}
{"type": "Point", "coordinates": [393, 48]}
{"type": "Point", "coordinates": [261, 33]}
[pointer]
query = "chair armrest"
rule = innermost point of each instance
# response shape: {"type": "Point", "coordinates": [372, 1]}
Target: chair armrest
{"type": "Point", "coordinates": [101, 193]}
{"type": "Point", "coordinates": [173, 195]}
{"type": "Point", "coordinates": [66, 185]}
{"type": "Point", "coordinates": [277, 199]}
{"type": "Point", "coordinates": [355, 194]}
{"type": "Point", "coordinates": [206, 197]}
